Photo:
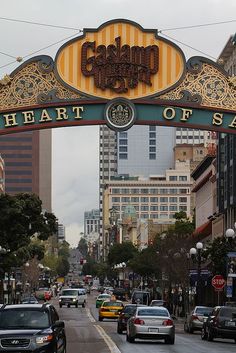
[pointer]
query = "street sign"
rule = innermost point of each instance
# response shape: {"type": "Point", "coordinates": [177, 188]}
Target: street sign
{"type": "Point", "coordinates": [218, 282]}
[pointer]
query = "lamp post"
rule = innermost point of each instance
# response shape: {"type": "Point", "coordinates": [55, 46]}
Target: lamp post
{"type": "Point", "coordinates": [3, 251]}
{"type": "Point", "coordinates": [231, 262]}
{"type": "Point", "coordinates": [196, 254]}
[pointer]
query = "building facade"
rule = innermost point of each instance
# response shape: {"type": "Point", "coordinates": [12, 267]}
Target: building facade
{"type": "Point", "coordinates": [61, 235]}
{"type": "Point", "coordinates": [27, 157]}
{"type": "Point", "coordinates": [91, 222]}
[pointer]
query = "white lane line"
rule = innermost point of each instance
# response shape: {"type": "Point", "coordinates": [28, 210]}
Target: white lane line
{"type": "Point", "coordinates": [90, 316]}
{"type": "Point", "coordinates": [111, 345]}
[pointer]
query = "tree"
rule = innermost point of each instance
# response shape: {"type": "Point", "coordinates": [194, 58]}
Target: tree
{"type": "Point", "coordinates": [121, 253]}
{"type": "Point", "coordinates": [21, 218]}
{"type": "Point", "coordinates": [83, 246]}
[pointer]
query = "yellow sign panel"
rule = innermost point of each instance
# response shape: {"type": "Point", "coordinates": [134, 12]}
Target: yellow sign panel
{"type": "Point", "coordinates": [120, 59]}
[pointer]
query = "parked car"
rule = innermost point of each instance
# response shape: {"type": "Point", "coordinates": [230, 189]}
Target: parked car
{"type": "Point", "coordinates": [43, 293]}
{"type": "Point", "coordinates": [158, 302]}
{"type": "Point", "coordinates": [29, 300]}
{"type": "Point", "coordinates": [100, 299]}
{"type": "Point", "coordinates": [140, 297]}
{"type": "Point", "coordinates": [194, 320]}
{"type": "Point", "coordinates": [110, 309]}
{"type": "Point", "coordinates": [151, 323]}
{"type": "Point", "coordinates": [72, 296]}
{"type": "Point", "coordinates": [220, 323]}
{"type": "Point", "coordinates": [126, 313]}
{"type": "Point", "coordinates": [31, 328]}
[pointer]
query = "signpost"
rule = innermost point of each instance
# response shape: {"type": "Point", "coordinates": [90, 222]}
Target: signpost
{"type": "Point", "coordinates": [218, 282]}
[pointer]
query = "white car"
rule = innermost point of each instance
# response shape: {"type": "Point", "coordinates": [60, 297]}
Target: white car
{"type": "Point", "coordinates": [72, 296]}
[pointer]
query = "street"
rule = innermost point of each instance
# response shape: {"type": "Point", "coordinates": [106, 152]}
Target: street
{"type": "Point", "coordinates": [86, 334]}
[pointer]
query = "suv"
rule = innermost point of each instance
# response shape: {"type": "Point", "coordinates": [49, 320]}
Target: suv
{"type": "Point", "coordinates": [31, 328]}
{"type": "Point", "coordinates": [140, 297]}
{"type": "Point", "coordinates": [221, 323]}
{"type": "Point", "coordinates": [72, 296]}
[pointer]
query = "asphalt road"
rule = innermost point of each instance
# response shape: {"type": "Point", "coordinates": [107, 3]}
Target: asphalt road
{"type": "Point", "coordinates": [86, 334]}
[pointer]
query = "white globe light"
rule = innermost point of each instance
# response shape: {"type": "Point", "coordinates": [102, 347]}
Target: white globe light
{"type": "Point", "coordinates": [230, 233]}
{"type": "Point", "coordinates": [199, 245]}
{"type": "Point", "coordinates": [193, 251]}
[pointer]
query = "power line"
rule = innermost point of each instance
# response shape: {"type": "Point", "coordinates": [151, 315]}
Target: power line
{"type": "Point", "coordinates": [196, 26]}
{"type": "Point", "coordinates": [39, 24]}
{"type": "Point", "coordinates": [37, 51]}
{"type": "Point", "coordinates": [189, 46]}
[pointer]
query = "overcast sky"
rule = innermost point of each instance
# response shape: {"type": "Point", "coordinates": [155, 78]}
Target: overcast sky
{"type": "Point", "coordinates": [75, 150]}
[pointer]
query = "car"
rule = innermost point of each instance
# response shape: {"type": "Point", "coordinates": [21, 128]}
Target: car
{"type": "Point", "coordinates": [43, 293]}
{"type": "Point", "coordinates": [153, 323]}
{"type": "Point", "coordinates": [140, 297]}
{"type": "Point", "coordinates": [125, 314]}
{"type": "Point", "coordinates": [29, 300]}
{"type": "Point", "coordinates": [110, 309]}
{"type": "Point", "coordinates": [194, 320]}
{"type": "Point", "coordinates": [33, 328]}
{"type": "Point", "coordinates": [72, 296]}
{"type": "Point", "coordinates": [100, 299]}
{"type": "Point", "coordinates": [220, 323]}
{"type": "Point", "coordinates": [158, 302]}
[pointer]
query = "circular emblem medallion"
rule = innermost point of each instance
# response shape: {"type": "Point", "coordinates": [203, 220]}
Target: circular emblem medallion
{"type": "Point", "coordinates": [120, 114]}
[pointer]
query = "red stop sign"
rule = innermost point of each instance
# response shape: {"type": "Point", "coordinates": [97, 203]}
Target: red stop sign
{"type": "Point", "coordinates": [218, 282]}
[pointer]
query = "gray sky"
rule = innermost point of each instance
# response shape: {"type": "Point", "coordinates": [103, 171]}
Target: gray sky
{"type": "Point", "coordinates": [75, 150]}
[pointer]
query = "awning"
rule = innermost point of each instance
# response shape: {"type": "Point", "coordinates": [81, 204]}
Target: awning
{"type": "Point", "coordinates": [204, 229]}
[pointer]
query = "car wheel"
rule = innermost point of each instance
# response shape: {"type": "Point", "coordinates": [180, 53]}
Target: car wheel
{"type": "Point", "coordinates": [203, 334]}
{"type": "Point", "coordinates": [127, 337]}
{"type": "Point", "coordinates": [119, 329]}
{"type": "Point", "coordinates": [68, 305]}
{"type": "Point", "coordinates": [190, 330]}
{"type": "Point", "coordinates": [60, 305]}
{"type": "Point", "coordinates": [83, 305]}
{"type": "Point", "coordinates": [131, 339]}
{"type": "Point", "coordinates": [100, 318]}
{"type": "Point", "coordinates": [76, 305]}
{"type": "Point", "coordinates": [170, 340]}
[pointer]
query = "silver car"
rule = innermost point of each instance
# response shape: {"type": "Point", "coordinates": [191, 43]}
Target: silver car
{"type": "Point", "coordinates": [154, 323]}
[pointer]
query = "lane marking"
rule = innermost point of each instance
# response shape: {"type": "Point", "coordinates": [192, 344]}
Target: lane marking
{"type": "Point", "coordinates": [110, 343]}
{"type": "Point", "coordinates": [90, 316]}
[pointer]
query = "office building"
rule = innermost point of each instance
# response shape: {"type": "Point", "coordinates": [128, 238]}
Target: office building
{"type": "Point", "coordinates": [91, 222]}
{"type": "Point", "coordinates": [27, 158]}
{"type": "Point", "coordinates": [61, 235]}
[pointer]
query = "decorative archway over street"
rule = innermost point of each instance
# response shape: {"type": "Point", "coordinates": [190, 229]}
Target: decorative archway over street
{"type": "Point", "coordinates": [119, 74]}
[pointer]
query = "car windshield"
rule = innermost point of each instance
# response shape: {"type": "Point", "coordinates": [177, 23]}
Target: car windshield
{"type": "Point", "coordinates": [103, 296]}
{"type": "Point", "coordinates": [202, 311]}
{"type": "Point", "coordinates": [69, 292]}
{"type": "Point", "coordinates": [130, 309]}
{"type": "Point", "coordinates": [153, 312]}
{"type": "Point", "coordinates": [23, 318]}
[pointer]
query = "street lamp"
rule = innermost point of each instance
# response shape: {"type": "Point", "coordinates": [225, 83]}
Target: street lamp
{"type": "Point", "coordinates": [3, 251]}
{"type": "Point", "coordinates": [231, 262]}
{"type": "Point", "coordinates": [196, 253]}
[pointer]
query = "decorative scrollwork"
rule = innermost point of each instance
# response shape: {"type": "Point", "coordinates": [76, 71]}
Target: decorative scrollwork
{"type": "Point", "coordinates": [51, 96]}
{"type": "Point", "coordinates": [194, 65]}
{"type": "Point", "coordinates": [46, 64]}
{"type": "Point", "coordinates": [190, 98]}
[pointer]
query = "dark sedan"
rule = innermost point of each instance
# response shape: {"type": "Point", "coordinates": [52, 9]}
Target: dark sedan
{"type": "Point", "coordinates": [126, 313]}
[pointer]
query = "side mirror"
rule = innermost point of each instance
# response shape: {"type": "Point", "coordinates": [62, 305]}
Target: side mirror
{"type": "Point", "coordinates": [59, 324]}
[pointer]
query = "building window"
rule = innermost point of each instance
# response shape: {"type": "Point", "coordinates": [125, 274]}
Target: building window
{"type": "Point", "coordinates": [153, 208]}
{"type": "Point", "coordinates": [144, 215]}
{"type": "Point", "coordinates": [183, 178]}
{"type": "Point", "coordinates": [183, 191]}
{"type": "Point", "coordinates": [173, 178]}
{"type": "Point", "coordinates": [173, 199]}
{"type": "Point", "coordinates": [144, 199]}
{"type": "Point", "coordinates": [144, 208]}
{"type": "Point", "coordinates": [173, 208]}
{"type": "Point", "coordinates": [125, 199]}
{"type": "Point", "coordinates": [173, 191]}
{"type": "Point", "coordinates": [183, 199]}
{"type": "Point", "coordinates": [163, 199]}
{"type": "Point", "coordinates": [152, 156]}
{"type": "Point", "coordinates": [182, 208]}
{"type": "Point", "coordinates": [152, 142]}
{"type": "Point", "coordinates": [154, 215]}
{"type": "Point", "coordinates": [163, 215]}
{"type": "Point", "coordinates": [123, 142]}
{"type": "Point", "coordinates": [115, 191]}
{"type": "Point", "coordinates": [134, 199]}
{"type": "Point", "coordinates": [154, 191]}
{"type": "Point", "coordinates": [152, 128]}
{"type": "Point", "coordinates": [123, 135]}
{"type": "Point", "coordinates": [163, 208]}
{"type": "Point", "coordinates": [144, 191]}
{"type": "Point", "coordinates": [123, 156]}
{"type": "Point", "coordinates": [152, 135]}
{"type": "Point", "coordinates": [135, 191]}
{"type": "Point", "coordinates": [152, 149]}
{"type": "Point", "coordinates": [153, 199]}
{"type": "Point", "coordinates": [125, 191]}
{"type": "Point", "coordinates": [163, 191]}
{"type": "Point", "coordinates": [115, 199]}
{"type": "Point", "coordinates": [123, 149]}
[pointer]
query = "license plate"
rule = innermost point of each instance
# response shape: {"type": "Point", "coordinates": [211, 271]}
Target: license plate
{"type": "Point", "coordinates": [153, 330]}
{"type": "Point", "coordinates": [230, 323]}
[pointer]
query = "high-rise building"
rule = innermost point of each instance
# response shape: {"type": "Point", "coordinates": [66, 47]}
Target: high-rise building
{"type": "Point", "coordinates": [140, 151]}
{"type": "Point", "coordinates": [61, 236]}
{"type": "Point", "coordinates": [91, 222]}
{"type": "Point", "coordinates": [27, 158]}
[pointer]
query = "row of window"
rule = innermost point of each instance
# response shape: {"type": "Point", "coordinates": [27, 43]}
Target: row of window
{"type": "Point", "coordinates": [178, 178]}
{"type": "Point", "coordinates": [150, 191]}
{"type": "Point", "coordinates": [149, 199]}
{"type": "Point", "coordinates": [172, 208]}
{"type": "Point", "coordinates": [153, 215]}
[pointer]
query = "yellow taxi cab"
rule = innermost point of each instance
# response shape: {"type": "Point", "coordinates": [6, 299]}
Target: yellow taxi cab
{"type": "Point", "coordinates": [110, 309]}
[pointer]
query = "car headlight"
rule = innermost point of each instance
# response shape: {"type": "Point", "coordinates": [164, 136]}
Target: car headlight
{"type": "Point", "coordinates": [44, 339]}
{"type": "Point", "coordinates": [74, 299]}
{"type": "Point", "coordinates": [59, 299]}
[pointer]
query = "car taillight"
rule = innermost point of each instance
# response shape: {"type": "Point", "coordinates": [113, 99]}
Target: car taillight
{"type": "Point", "coordinates": [195, 317]}
{"type": "Point", "coordinates": [167, 322]}
{"type": "Point", "coordinates": [139, 322]}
